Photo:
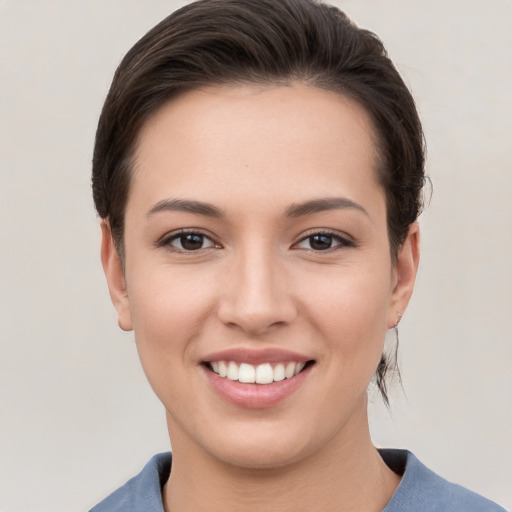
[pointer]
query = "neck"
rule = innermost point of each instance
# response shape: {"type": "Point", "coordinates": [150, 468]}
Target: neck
{"type": "Point", "coordinates": [348, 474]}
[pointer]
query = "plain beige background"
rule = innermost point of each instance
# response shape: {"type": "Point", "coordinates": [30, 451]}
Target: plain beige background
{"type": "Point", "coordinates": [77, 417]}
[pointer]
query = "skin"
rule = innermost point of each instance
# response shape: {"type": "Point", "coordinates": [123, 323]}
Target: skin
{"type": "Point", "coordinates": [257, 282]}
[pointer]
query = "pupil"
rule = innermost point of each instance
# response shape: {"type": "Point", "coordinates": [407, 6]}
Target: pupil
{"type": "Point", "coordinates": [191, 242]}
{"type": "Point", "coordinates": [321, 242]}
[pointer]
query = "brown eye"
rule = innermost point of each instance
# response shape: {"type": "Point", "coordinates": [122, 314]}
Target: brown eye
{"type": "Point", "coordinates": [190, 242]}
{"type": "Point", "coordinates": [324, 241]}
{"type": "Point", "coordinates": [320, 242]}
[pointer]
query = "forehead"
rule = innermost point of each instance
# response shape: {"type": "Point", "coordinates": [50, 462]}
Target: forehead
{"type": "Point", "coordinates": [290, 140]}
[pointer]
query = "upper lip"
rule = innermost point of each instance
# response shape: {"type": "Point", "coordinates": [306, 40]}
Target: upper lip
{"type": "Point", "coordinates": [255, 356]}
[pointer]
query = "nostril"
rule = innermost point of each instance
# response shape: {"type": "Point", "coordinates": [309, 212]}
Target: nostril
{"type": "Point", "coordinates": [256, 304]}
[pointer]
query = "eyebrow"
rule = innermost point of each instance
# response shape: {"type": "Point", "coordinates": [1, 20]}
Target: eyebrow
{"type": "Point", "coordinates": [185, 205]}
{"type": "Point", "coordinates": [322, 205]}
{"type": "Point", "coordinates": [294, 210]}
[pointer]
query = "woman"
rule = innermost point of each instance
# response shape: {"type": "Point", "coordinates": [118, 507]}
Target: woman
{"type": "Point", "coordinates": [258, 169]}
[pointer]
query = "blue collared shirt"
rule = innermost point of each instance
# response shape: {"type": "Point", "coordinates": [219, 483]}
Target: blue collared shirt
{"type": "Point", "coordinates": [420, 490]}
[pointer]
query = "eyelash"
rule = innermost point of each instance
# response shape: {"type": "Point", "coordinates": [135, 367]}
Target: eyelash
{"type": "Point", "coordinates": [167, 240]}
{"type": "Point", "coordinates": [340, 242]}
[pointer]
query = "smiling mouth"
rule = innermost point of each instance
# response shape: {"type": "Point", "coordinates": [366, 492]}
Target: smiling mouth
{"type": "Point", "coordinates": [265, 373]}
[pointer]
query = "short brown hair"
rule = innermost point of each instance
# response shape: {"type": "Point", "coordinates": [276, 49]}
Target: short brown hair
{"type": "Point", "coordinates": [217, 42]}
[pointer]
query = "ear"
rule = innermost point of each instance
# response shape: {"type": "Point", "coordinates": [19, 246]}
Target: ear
{"type": "Point", "coordinates": [406, 267]}
{"type": "Point", "coordinates": [113, 268]}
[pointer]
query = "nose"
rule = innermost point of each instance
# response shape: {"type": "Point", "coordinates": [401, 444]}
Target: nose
{"type": "Point", "coordinates": [257, 296]}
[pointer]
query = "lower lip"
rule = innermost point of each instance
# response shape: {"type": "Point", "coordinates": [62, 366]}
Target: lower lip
{"type": "Point", "coordinates": [255, 396]}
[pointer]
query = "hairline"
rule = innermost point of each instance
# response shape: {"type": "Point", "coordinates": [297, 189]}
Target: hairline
{"type": "Point", "coordinates": [377, 139]}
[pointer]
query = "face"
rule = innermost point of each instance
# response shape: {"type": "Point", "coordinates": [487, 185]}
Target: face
{"type": "Point", "coordinates": [257, 275]}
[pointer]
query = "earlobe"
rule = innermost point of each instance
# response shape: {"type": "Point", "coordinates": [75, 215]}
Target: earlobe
{"type": "Point", "coordinates": [406, 268]}
{"type": "Point", "coordinates": [113, 268]}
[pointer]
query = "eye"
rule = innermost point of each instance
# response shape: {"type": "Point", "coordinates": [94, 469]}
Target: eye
{"type": "Point", "coordinates": [324, 242]}
{"type": "Point", "coordinates": [188, 242]}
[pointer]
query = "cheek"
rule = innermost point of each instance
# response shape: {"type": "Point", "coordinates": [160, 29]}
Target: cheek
{"type": "Point", "coordinates": [350, 299]}
{"type": "Point", "coordinates": [166, 302]}
{"type": "Point", "coordinates": [350, 310]}
{"type": "Point", "coordinates": [168, 312]}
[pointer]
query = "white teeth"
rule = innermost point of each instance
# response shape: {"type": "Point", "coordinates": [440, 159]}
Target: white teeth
{"type": "Point", "coordinates": [261, 374]}
{"type": "Point", "coordinates": [289, 371]}
{"type": "Point", "coordinates": [247, 373]}
{"type": "Point", "coordinates": [264, 374]}
{"type": "Point", "coordinates": [232, 371]}
{"type": "Point", "coordinates": [223, 369]}
{"type": "Point", "coordinates": [279, 372]}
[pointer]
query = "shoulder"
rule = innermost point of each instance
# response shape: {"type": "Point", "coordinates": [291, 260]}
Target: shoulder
{"type": "Point", "coordinates": [422, 490]}
{"type": "Point", "coordinates": [143, 493]}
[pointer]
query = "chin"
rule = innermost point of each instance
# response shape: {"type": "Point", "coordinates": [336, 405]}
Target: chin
{"type": "Point", "coordinates": [260, 458]}
{"type": "Point", "coordinates": [261, 447]}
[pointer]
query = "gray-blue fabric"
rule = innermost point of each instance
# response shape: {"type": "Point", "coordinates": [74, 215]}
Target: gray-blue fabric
{"type": "Point", "coordinates": [420, 490]}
